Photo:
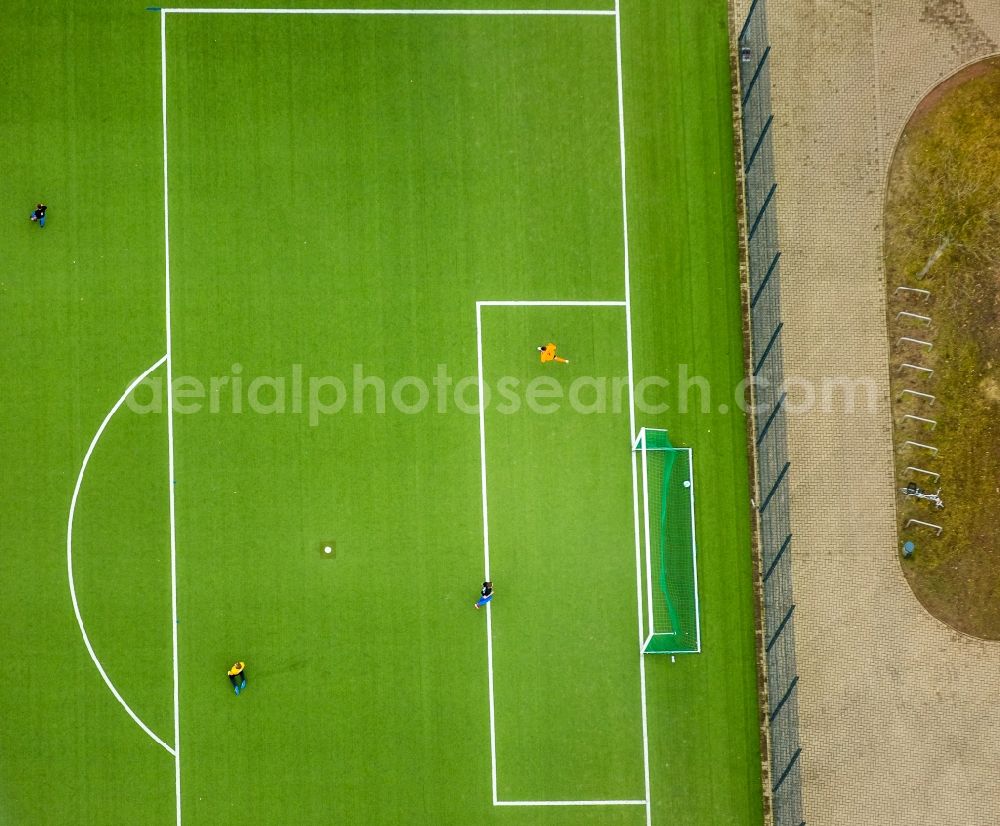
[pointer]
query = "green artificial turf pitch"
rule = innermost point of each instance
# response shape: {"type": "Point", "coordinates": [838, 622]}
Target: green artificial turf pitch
{"type": "Point", "coordinates": [342, 191]}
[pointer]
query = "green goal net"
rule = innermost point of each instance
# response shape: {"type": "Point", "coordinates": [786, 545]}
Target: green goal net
{"type": "Point", "coordinates": [671, 589]}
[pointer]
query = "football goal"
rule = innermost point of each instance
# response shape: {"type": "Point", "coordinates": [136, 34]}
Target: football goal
{"type": "Point", "coordinates": [672, 621]}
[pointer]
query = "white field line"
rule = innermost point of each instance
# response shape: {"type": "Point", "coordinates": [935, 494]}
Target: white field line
{"type": "Point", "coordinates": [570, 803]}
{"type": "Point", "coordinates": [694, 556]}
{"type": "Point", "coordinates": [445, 12]}
{"type": "Point", "coordinates": [493, 731]}
{"type": "Point", "coordinates": [550, 303]}
{"type": "Point", "coordinates": [69, 554]}
{"type": "Point", "coordinates": [631, 392]}
{"type": "Point", "coordinates": [410, 12]}
{"type": "Point", "coordinates": [170, 424]}
{"type": "Point", "coordinates": [645, 511]}
{"type": "Point", "coordinates": [486, 546]}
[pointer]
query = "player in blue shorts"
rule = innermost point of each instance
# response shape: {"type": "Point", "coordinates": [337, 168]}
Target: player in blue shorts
{"type": "Point", "coordinates": [38, 214]}
{"type": "Point", "coordinates": [485, 595]}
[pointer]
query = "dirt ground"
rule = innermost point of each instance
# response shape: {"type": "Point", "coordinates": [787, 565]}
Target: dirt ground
{"type": "Point", "coordinates": [899, 718]}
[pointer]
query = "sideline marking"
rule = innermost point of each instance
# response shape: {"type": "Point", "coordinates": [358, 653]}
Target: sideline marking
{"type": "Point", "coordinates": [411, 12]}
{"type": "Point", "coordinates": [170, 423]}
{"type": "Point", "coordinates": [69, 554]}
{"type": "Point", "coordinates": [631, 390]}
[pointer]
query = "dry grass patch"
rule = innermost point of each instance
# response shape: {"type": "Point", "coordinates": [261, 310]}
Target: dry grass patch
{"type": "Point", "coordinates": [944, 200]}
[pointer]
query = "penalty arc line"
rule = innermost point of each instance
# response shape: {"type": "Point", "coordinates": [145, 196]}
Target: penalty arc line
{"type": "Point", "coordinates": [69, 555]}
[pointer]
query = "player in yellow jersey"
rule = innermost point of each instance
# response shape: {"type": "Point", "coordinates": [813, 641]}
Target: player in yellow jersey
{"type": "Point", "coordinates": [548, 353]}
{"type": "Point", "coordinates": [238, 677]}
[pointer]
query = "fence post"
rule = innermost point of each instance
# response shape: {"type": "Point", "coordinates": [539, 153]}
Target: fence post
{"type": "Point", "coordinates": [769, 450]}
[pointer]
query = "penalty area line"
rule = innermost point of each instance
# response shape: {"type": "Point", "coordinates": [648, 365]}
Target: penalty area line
{"type": "Point", "coordinates": [406, 12]}
{"type": "Point", "coordinates": [480, 305]}
{"type": "Point", "coordinates": [551, 304]}
{"type": "Point", "coordinates": [570, 803]}
{"type": "Point", "coordinates": [486, 548]}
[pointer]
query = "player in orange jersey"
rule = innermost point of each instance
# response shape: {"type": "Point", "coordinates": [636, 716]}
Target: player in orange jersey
{"type": "Point", "coordinates": [548, 353]}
